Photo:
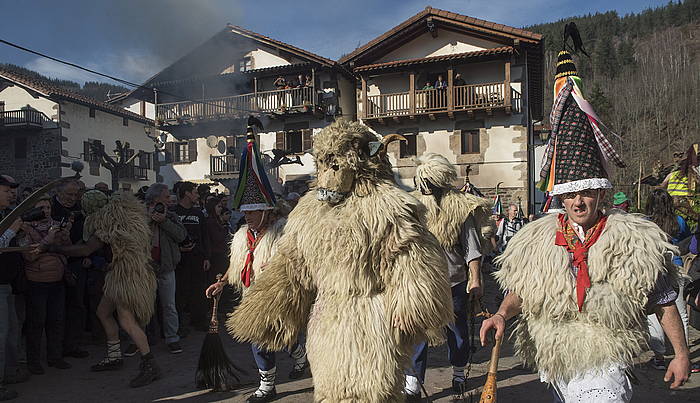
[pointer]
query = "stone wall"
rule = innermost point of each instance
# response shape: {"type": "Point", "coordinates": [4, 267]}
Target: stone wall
{"type": "Point", "coordinates": [43, 159]}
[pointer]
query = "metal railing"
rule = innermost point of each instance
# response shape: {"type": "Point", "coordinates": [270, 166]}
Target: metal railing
{"type": "Point", "coordinates": [237, 105]}
{"type": "Point", "coordinates": [23, 117]}
{"type": "Point", "coordinates": [224, 164]}
{"type": "Point", "coordinates": [133, 172]}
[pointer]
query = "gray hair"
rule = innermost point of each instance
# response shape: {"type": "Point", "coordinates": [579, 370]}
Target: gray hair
{"type": "Point", "coordinates": [154, 191]}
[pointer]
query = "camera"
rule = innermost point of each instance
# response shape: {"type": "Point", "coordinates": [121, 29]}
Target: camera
{"type": "Point", "coordinates": [33, 215]}
{"type": "Point", "coordinates": [159, 208]}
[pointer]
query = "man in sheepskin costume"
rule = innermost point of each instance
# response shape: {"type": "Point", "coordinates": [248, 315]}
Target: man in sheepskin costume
{"type": "Point", "coordinates": [251, 248]}
{"type": "Point", "coordinates": [119, 228]}
{"type": "Point", "coordinates": [582, 280]}
{"type": "Point", "coordinates": [359, 267]}
{"type": "Point", "coordinates": [461, 223]}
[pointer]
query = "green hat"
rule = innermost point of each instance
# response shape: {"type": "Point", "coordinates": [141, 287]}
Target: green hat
{"type": "Point", "coordinates": [92, 201]}
{"type": "Point", "coordinates": [619, 198]}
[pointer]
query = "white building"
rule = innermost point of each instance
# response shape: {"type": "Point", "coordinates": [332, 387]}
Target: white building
{"type": "Point", "coordinates": [481, 118]}
{"type": "Point", "coordinates": [43, 128]}
{"type": "Point", "coordinates": [203, 100]}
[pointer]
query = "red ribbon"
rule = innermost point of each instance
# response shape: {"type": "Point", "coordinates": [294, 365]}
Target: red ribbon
{"type": "Point", "coordinates": [580, 254]}
{"type": "Point", "coordinates": [247, 272]}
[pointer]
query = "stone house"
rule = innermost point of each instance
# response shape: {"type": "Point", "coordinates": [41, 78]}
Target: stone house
{"type": "Point", "coordinates": [202, 101]}
{"type": "Point", "coordinates": [43, 128]}
{"type": "Point", "coordinates": [458, 86]}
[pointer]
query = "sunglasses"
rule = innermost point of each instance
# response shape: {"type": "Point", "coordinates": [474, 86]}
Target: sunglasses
{"type": "Point", "coordinates": [582, 193]}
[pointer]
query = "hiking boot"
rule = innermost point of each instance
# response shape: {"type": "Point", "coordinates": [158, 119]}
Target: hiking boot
{"type": "Point", "coordinates": [175, 348]}
{"type": "Point", "coordinates": [261, 397]}
{"type": "Point", "coordinates": [77, 353]}
{"type": "Point", "coordinates": [131, 350]}
{"type": "Point", "coordinates": [107, 365]}
{"type": "Point", "coordinates": [658, 363]}
{"type": "Point", "coordinates": [148, 372]}
{"type": "Point", "coordinates": [7, 394]}
{"type": "Point", "coordinates": [35, 368]}
{"type": "Point", "coordinates": [60, 364]}
{"type": "Point", "coordinates": [21, 375]}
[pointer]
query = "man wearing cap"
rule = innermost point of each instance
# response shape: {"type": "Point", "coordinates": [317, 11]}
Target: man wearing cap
{"type": "Point", "coordinates": [8, 317]}
{"type": "Point", "coordinates": [579, 287]}
{"type": "Point", "coordinates": [621, 202]}
{"type": "Point", "coordinates": [251, 248]}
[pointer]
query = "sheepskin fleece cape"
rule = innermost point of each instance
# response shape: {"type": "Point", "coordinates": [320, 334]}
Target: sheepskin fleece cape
{"type": "Point", "coordinates": [263, 251]}
{"type": "Point", "coordinates": [445, 220]}
{"type": "Point", "coordinates": [552, 336]}
{"type": "Point", "coordinates": [350, 270]}
{"type": "Point", "coordinates": [130, 282]}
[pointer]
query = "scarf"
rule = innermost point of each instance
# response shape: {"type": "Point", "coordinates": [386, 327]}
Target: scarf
{"type": "Point", "coordinates": [567, 238]}
{"type": "Point", "coordinates": [247, 272]}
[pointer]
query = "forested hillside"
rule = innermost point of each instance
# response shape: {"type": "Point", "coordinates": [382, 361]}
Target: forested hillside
{"type": "Point", "coordinates": [92, 89]}
{"type": "Point", "coordinates": [643, 78]}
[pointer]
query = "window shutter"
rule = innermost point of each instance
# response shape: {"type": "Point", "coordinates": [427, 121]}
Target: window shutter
{"type": "Point", "coordinates": [476, 146]}
{"type": "Point", "coordinates": [193, 150]}
{"type": "Point", "coordinates": [169, 151]}
{"type": "Point", "coordinates": [306, 140]}
{"type": "Point", "coordinates": [279, 143]}
{"type": "Point", "coordinates": [86, 151]}
{"type": "Point", "coordinates": [231, 145]}
{"type": "Point", "coordinates": [143, 159]}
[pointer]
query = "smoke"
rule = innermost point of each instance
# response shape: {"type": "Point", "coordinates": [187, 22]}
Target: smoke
{"type": "Point", "coordinates": [162, 31]}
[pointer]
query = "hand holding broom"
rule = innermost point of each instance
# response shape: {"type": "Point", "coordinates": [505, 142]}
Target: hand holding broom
{"type": "Point", "coordinates": [497, 322]}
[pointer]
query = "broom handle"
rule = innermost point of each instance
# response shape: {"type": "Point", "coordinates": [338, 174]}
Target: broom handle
{"type": "Point", "coordinates": [214, 322]}
{"type": "Point", "coordinates": [495, 354]}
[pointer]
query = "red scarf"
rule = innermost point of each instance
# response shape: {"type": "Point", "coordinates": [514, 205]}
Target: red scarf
{"type": "Point", "coordinates": [567, 238]}
{"type": "Point", "coordinates": [247, 272]}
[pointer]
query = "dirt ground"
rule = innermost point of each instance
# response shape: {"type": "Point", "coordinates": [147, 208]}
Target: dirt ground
{"type": "Point", "coordinates": [515, 384]}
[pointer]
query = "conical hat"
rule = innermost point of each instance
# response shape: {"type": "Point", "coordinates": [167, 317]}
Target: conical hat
{"type": "Point", "coordinates": [253, 191]}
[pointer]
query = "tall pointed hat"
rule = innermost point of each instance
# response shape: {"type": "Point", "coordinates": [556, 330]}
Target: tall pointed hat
{"type": "Point", "coordinates": [253, 191]}
{"type": "Point", "coordinates": [578, 153]}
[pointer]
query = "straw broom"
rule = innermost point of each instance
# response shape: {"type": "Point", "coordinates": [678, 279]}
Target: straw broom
{"type": "Point", "coordinates": [215, 370]}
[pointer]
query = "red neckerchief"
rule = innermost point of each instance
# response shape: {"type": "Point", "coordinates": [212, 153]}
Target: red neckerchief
{"type": "Point", "coordinates": [247, 272]}
{"type": "Point", "coordinates": [567, 238]}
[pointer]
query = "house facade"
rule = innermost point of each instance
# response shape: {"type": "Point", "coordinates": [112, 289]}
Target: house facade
{"type": "Point", "coordinates": [43, 128]}
{"type": "Point", "coordinates": [202, 101]}
{"type": "Point", "coordinates": [458, 86]}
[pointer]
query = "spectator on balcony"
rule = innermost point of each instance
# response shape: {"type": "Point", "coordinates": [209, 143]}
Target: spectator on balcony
{"type": "Point", "coordinates": [440, 83]}
{"type": "Point", "coordinates": [428, 86]}
{"type": "Point", "coordinates": [309, 81]}
{"type": "Point", "coordinates": [301, 81]}
{"type": "Point", "coordinates": [280, 83]}
{"type": "Point", "coordinates": [459, 81]}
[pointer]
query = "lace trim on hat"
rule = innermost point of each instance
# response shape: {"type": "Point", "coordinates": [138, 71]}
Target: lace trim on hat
{"type": "Point", "coordinates": [582, 184]}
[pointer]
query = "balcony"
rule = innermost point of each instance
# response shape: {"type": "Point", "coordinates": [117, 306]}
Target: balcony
{"type": "Point", "coordinates": [133, 173]}
{"type": "Point", "coordinates": [224, 166]}
{"type": "Point", "coordinates": [22, 119]}
{"type": "Point", "coordinates": [470, 98]}
{"type": "Point", "coordinates": [288, 101]}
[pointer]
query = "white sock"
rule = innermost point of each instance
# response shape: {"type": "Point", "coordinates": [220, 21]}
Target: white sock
{"type": "Point", "coordinates": [267, 382]}
{"type": "Point", "coordinates": [458, 373]}
{"type": "Point", "coordinates": [412, 385]}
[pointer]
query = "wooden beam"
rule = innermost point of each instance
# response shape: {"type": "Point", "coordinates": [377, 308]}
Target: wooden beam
{"type": "Point", "coordinates": [365, 106]}
{"type": "Point", "coordinates": [412, 93]}
{"type": "Point", "coordinates": [450, 82]}
{"type": "Point", "coordinates": [506, 88]}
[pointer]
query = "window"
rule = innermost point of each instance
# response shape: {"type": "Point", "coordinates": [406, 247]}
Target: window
{"type": "Point", "coordinates": [470, 141]}
{"type": "Point", "coordinates": [92, 157]}
{"type": "Point", "coordinates": [92, 112]}
{"type": "Point", "coordinates": [180, 152]}
{"type": "Point", "coordinates": [125, 122]}
{"type": "Point", "coordinates": [245, 64]}
{"type": "Point", "coordinates": [144, 159]}
{"type": "Point", "coordinates": [408, 148]}
{"type": "Point", "coordinates": [296, 138]}
{"type": "Point", "coordinates": [21, 147]}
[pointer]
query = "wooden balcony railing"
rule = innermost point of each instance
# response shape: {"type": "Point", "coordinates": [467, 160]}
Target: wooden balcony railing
{"type": "Point", "coordinates": [464, 97]}
{"type": "Point", "coordinates": [224, 165]}
{"type": "Point", "coordinates": [132, 172]}
{"type": "Point", "coordinates": [237, 105]}
{"type": "Point", "coordinates": [28, 118]}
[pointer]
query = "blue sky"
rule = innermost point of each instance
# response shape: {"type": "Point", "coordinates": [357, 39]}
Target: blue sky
{"type": "Point", "coordinates": [134, 39]}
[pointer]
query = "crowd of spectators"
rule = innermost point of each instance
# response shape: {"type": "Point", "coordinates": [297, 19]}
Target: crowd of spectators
{"type": "Point", "coordinates": [52, 297]}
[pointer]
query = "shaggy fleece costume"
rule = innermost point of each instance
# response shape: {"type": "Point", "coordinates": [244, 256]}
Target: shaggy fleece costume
{"type": "Point", "coordinates": [350, 269]}
{"type": "Point", "coordinates": [130, 282]}
{"type": "Point", "coordinates": [263, 251]}
{"type": "Point", "coordinates": [552, 335]}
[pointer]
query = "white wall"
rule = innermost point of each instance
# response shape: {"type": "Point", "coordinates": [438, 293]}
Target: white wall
{"type": "Point", "coordinates": [78, 127]}
{"type": "Point", "coordinates": [446, 43]}
{"type": "Point", "coordinates": [16, 98]}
